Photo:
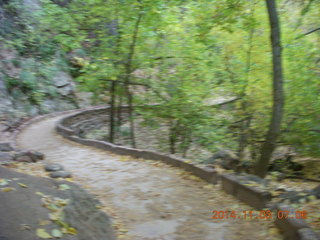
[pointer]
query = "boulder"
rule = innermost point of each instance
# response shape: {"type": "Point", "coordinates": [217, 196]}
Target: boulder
{"type": "Point", "coordinates": [36, 155]}
{"type": "Point", "coordinates": [6, 147]}
{"type": "Point", "coordinates": [226, 158]}
{"type": "Point", "coordinates": [23, 206]}
{"type": "Point", "coordinates": [60, 174]}
{"type": "Point", "coordinates": [22, 157]}
{"type": "Point", "coordinates": [53, 167]}
{"type": "Point", "coordinates": [5, 157]}
{"type": "Point", "coordinates": [28, 156]}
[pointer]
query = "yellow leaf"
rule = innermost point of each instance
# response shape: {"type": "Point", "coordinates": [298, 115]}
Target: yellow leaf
{"type": "Point", "coordinates": [194, 178]}
{"type": "Point", "coordinates": [7, 189]}
{"type": "Point", "coordinates": [64, 187]}
{"type": "Point", "coordinates": [72, 231]}
{"type": "Point", "coordinates": [40, 194]}
{"type": "Point", "coordinates": [41, 233]}
{"type": "Point", "coordinates": [208, 186]}
{"type": "Point", "coordinates": [3, 182]}
{"type": "Point", "coordinates": [273, 231]}
{"type": "Point", "coordinates": [44, 222]}
{"type": "Point", "coordinates": [55, 215]}
{"type": "Point", "coordinates": [22, 185]}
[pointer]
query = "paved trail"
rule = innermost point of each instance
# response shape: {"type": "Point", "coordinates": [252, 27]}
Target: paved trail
{"type": "Point", "coordinates": [154, 201]}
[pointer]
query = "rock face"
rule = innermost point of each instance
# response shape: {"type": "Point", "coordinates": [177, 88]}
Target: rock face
{"type": "Point", "coordinates": [64, 83]}
{"type": "Point", "coordinates": [81, 212]}
{"type": "Point", "coordinates": [5, 99]}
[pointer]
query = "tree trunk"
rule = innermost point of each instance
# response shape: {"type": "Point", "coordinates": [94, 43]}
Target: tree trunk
{"type": "Point", "coordinates": [172, 138]}
{"type": "Point", "coordinates": [112, 111]}
{"type": "Point", "coordinates": [278, 95]}
{"type": "Point", "coordinates": [243, 136]}
{"type": "Point", "coordinates": [119, 111]}
{"type": "Point", "coordinates": [128, 69]}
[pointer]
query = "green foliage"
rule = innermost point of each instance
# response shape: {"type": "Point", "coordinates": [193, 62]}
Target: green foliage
{"type": "Point", "coordinates": [186, 54]}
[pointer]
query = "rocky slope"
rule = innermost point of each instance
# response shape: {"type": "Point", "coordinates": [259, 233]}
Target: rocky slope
{"type": "Point", "coordinates": [34, 73]}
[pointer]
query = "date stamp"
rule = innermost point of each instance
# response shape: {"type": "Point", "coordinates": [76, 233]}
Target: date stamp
{"type": "Point", "coordinates": [259, 215]}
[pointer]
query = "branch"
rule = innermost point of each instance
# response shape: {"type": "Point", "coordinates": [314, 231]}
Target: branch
{"type": "Point", "coordinates": [307, 33]}
{"type": "Point", "coordinates": [138, 84]}
{"type": "Point", "coordinates": [312, 31]}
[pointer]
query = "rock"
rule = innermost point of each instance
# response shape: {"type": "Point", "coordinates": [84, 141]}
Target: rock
{"type": "Point", "coordinates": [63, 82]}
{"type": "Point", "coordinates": [226, 158]}
{"type": "Point", "coordinates": [245, 166]}
{"type": "Point", "coordinates": [36, 155]}
{"type": "Point", "coordinates": [6, 147]}
{"type": "Point", "coordinates": [53, 167]}
{"type": "Point", "coordinates": [29, 156]}
{"type": "Point", "coordinates": [283, 153]}
{"type": "Point", "coordinates": [247, 178]}
{"type": "Point", "coordinates": [294, 196]}
{"type": "Point", "coordinates": [279, 176]}
{"type": "Point", "coordinates": [5, 101]}
{"type": "Point", "coordinates": [61, 79]}
{"type": "Point", "coordinates": [286, 166]}
{"type": "Point", "coordinates": [23, 157]}
{"type": "Point", "coordinates": [60, 174]}
{"type": "Point", "coordinates": [307, 234]}
{"type": "Point", "coordinates": [23, 206]}
{"type": "Point", "coordinates": [5, 157]}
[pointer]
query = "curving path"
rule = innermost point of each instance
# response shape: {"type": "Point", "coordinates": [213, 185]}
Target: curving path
{"type": "Point", "coordinates": [153, 200]}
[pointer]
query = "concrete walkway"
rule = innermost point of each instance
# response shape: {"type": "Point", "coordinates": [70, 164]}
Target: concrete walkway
{"type": "Point", "coordinates": [153, 200]}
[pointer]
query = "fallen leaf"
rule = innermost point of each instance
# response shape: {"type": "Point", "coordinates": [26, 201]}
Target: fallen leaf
{"type": "Point", "coordinates": [55, 216]}
{"type": "Point", "coordinates": [44, 222]}
{"type": "Point", "coordinates": [25, 227]}
{"type": "Point", "coordinates": [56, 233]}
{"type": "Point", "coordinates": [3, 182]}
{"type": "Point", "coordinates": [22, 185]}
{"type": "Point", "coordinates": [41, 233]}
{"type": "Point", "coordinates": [7, 189]}
{"type": "Point", "coordinates": [64, 187]}
{"type": "Point", "coordinates": [40, 194]}
{"type": "Point", "coordinates": [71, 230]}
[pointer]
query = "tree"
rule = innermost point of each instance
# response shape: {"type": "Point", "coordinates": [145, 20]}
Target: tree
{"type": "Point", "coordinates": [278, 95]}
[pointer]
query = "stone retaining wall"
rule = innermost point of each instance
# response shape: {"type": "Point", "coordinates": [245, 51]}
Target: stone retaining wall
{"type": "Point", "coordinates": [252, 196]}
{"type": "Point", "coordinates": [71, 126]}
{"type": "Point", "coordinates": [293, 227]}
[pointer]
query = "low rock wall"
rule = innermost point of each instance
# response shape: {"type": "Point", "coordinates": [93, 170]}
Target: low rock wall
{"type": "Point", "coordinates": [71, 126]}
